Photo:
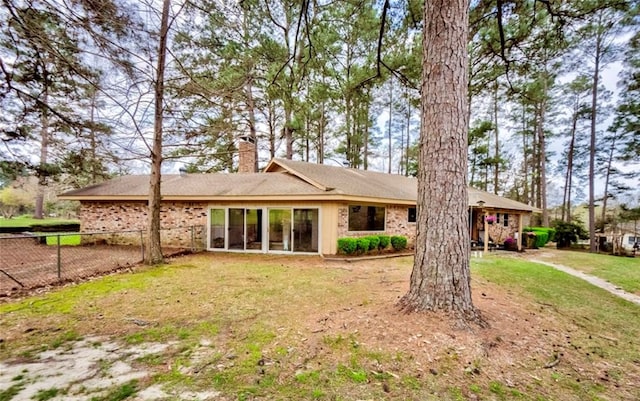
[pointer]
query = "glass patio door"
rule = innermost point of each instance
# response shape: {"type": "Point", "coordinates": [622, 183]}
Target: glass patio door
{"type": "Point", "coordinates": [305, 230]}
{"type": "Point", "coordinates": [280, 229]}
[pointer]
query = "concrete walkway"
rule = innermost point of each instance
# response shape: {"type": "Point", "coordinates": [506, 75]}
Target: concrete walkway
{"type": "Point", "coordinates": [598, 282]}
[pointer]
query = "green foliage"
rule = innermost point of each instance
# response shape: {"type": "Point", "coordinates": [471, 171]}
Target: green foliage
{"type": "Point", "coordinates": [13, 200]}
{"type": "Point", "coordinates": [538, 237]}
{"type": "Point", "coordinates": [398, 242]}
{"type": "Point", "coordinates": [347, 245]}
{"type": "Point", "coordinates": [385, 240]}
{"type": "Point", "coordinates": [66, 240]}
{"type": "Point", "coordinates": [374, 241]}
{"type": "Point", "coordinates": [567, 233]}
{"type": "Point", "coordinates": [363, 245]}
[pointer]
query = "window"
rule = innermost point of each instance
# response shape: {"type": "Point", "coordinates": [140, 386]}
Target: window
{"type": "Point", "coordinates": [411, 218]}
{"type": "Point", "coordinates": [366, 218]}
{"type": "Point", "coordinates": [505, 220]}
{"type": "Point", "coordinates": [632, 240]}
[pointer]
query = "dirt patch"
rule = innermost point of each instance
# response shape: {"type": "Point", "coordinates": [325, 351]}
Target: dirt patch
{"type": "Point", "coordinates": [86, 369]}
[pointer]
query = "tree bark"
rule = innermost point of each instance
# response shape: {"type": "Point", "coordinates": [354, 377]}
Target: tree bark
{"type": "Point", "coordinates": [153, 251]}
{"type": "Point", "coordinates": [592, 147]}
{"type": "Point", "coordinates": [44, 152]}
{"type": "Point", "coordinates": [440, 280]}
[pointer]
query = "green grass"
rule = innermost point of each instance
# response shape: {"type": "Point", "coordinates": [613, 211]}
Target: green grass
{"type": "Point", "coordinates": [591, 308]}
{"type": "Point", "coordinates": [65, 239]}
{"type": "Point", "coordinates": [24, 221]}
{"type": "Point", "coordinates": [298, 328]}
{"type": "Point", "coordinates": [621, 271]}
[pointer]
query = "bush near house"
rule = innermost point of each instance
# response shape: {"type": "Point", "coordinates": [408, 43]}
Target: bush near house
{"type": "Point", "coordinates": [398, 242]}
{"type": "Point", "coordinates": [385, 240]}
{"type": "Point", "coordinates": [363, 245]}
{"type": "Point", "coordinates": [370, 243]}
{"type": "Point", "coordinates": [347, 245]}
{"type": "Point", "coordinates": [538, 237]}
{"type": "Point", "coordinates": [374, 242]}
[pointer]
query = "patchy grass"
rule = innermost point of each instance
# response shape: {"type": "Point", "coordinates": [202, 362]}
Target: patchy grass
{"type": "Point", "coordinates": [256, 326]}
{"type": "Point", "coordinates": [621, 271]}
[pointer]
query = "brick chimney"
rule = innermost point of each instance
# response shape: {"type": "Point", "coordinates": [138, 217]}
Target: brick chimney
{"type": "Point", "coordinates": [247, 155]}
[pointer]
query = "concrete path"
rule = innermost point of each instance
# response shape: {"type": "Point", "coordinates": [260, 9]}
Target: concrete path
{"type": "Point", "coordinates": [598, 282]}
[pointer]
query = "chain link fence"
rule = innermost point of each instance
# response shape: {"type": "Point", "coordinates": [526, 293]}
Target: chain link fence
{"type": "Point", "coordinates": [29, 261]}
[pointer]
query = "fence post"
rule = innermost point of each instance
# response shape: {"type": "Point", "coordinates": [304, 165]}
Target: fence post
{"type": "Point", "coordinates": [59, 260]}
{"type": "Point", "coordinates": [142, 243]}
{"type": "Point", "coordinates": [193, 239]}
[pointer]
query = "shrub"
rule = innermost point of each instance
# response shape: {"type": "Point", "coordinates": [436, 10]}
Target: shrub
{"type": "Point", "coordinates": [510, 243]}
{"type": "Point", "coordinates": [347, 245]}
{"type": "Point", "coordinates": [363, 244]}
{"type": "Point", "coordinates": [398, 242]}
{"type": "Point", "coordinates": [374, 242]}
{"type": "Point", "coordinates": [542, 236]}
{"type": "Point", "coordinates": [385, 240]}
{"type": "Point", "coordinates": [567, 233]}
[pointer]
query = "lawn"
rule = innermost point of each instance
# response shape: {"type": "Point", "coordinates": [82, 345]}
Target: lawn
{"type": "Point", "coordinates": [247, 327]}
{"type": "Point", "coordinates": [25, 221]}
{"type": "Point", "coordinates": [65, 239]}
{"type": "Point", "coordinates": [622, 271]}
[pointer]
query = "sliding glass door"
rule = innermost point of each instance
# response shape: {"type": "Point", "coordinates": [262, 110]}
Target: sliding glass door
{"type": "Point", "coordinates": [243, 229]}
{"type": "Point", "coordinates": [280, 229]}
{"type": "Point", "coordinates": [305, 230]}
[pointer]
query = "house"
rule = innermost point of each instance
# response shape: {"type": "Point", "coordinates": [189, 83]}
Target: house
{"type": "Point", "coordinates": [290, 207]}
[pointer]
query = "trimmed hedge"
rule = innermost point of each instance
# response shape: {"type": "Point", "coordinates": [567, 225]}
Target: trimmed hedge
{"type": "Point", "coordinates": [370, 243]}
{"type": "Point", "coordinates": [363, 245]}
{"type": "Point", "coordinates": [398, 242]}
{"type": "Point", "coordinates": [542, 236]}
{"type": "Point", "coordinates": [385, 240]}
{"type": "Point", "coordinates": [374, 242]}
{"type": "Point", "coordinates": [347, 245]}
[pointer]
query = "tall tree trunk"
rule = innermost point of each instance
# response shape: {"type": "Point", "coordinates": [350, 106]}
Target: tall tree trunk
{"type": "Point", "coordinates": [592, 147]}
{"type": "Point", "coordinates": [496, 147]}
{"type": "Point", "coordinates": [252, 120]}
{"type": "Point", "coordinates": [525, 158]}
{"type": "Point", "coordinates": [389, 128]}
{"type": "Point", "coordinates": [44, 152]}
{"type": "Point", "coordinates": [320, 154]}
{"type": "Point", "coordinates": [153, 254]}
{"type": "Point", "coordinates": [568, 180]}
{"type": "Point", "coordinates": [543, 155]}
{"type": "Point", "coordinates": [288, 132]}
{"type": "Point", "coordinates": [607, 177]}
{"type": "Point", "coordinates": [440, 279]}
{"type": "Point", "coordinates": [408, 140]}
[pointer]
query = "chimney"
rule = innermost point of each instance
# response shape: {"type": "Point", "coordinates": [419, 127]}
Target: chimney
{"type": "Point", "coordinates": [247, 155]}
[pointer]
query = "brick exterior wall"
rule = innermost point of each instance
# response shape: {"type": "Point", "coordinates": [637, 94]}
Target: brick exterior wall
{"type": "Point", "coordinates": [396, 223]}
{"type": "Point", "coordinates": [177, 219]}
{"type": "Point", "coordinates": [497, 231]}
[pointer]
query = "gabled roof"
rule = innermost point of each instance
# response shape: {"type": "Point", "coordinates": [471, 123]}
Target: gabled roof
{"type": "Point", "coordinates": [281, 180]}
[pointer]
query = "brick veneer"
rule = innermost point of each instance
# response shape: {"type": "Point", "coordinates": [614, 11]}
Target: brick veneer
{"type": "Point", "coordinates": [396, 223]}
{"type": "Point", "coordinates": [177, 219]}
